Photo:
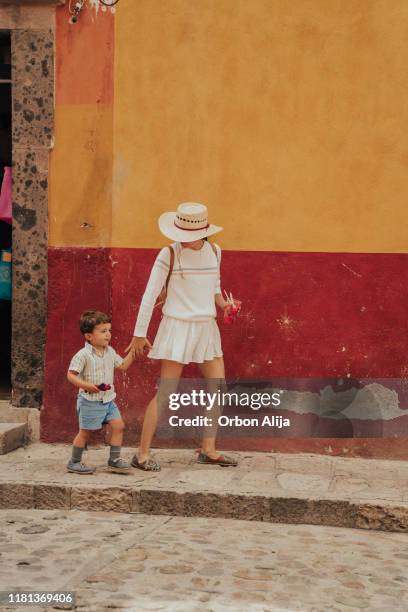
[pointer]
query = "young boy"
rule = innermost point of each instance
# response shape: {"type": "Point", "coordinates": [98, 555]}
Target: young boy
{"type": "Point", "coordinates": [90, 370]}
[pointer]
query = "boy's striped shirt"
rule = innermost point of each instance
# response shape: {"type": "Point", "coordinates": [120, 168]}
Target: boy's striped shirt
{"type": "Point", "coordinates": [95, 367]}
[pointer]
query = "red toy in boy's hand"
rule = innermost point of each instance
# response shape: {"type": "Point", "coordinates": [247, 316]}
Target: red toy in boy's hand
{"type": "Point", "coordinates": [231, 310]}
{"type": "Point", "coordinates": [104, 387]}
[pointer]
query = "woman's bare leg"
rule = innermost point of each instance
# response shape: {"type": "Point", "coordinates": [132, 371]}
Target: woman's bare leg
{"type": "Point", "coordinates": [214, 372]}
{"type": "Point", "coordinates": [170, 372]}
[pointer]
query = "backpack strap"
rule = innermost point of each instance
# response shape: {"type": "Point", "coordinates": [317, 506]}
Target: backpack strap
{"type": "Point", "coordinates": [214, 249]}
{"type": "Point", "coordinates": [171, 266]}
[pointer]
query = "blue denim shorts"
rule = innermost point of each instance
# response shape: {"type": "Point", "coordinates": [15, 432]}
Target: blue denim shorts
{"type": "Point", "coordinates": [92, 415]}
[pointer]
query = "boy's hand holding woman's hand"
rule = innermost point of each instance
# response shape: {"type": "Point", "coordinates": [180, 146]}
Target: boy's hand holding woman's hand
{"type": "Point", "coordinates": [138, 346]}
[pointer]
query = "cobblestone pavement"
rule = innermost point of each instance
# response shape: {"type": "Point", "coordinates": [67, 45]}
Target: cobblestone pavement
{"type": "Point", "coordinates": [134, 562]}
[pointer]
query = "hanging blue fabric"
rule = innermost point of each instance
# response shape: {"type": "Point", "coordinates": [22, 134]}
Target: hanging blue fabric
{"type": "Point", "coordinates": [5, 275]}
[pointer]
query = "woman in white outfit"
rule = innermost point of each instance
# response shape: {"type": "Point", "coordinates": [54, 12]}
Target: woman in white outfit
{"type": "Point", "coordinates": [188, 332]}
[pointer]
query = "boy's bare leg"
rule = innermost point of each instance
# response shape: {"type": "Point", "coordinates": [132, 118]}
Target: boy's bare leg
{"type": "Point", "coordinates": [116, 427]}
{"type": "Point", "coordinates": [107, 435]}
{"type": "Point", "coordinates": [81, 438]}
{"type": "Point", "coordinates": [170, 374]}
{"type": "Point", "coordinates": [214, 372]}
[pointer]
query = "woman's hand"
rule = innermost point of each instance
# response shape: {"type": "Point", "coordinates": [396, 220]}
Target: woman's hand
{"type": "Point", "coordinates": [138, 346]}
{"type": "Point", "coordinates": [231, 311]}
{"type": "Point", "coordinates": [228, 307]}
{"type": "Point", "coordinates": [223, 304]}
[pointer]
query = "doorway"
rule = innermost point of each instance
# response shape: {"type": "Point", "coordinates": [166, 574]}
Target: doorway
{"type": "Point", "coordinates": [5, 221]}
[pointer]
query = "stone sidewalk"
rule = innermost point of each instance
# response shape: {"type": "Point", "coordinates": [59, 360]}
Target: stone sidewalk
{"type": "Point", "coordinates": [139, 563]}
{"type": "Point", "coordinates": [279, 488]}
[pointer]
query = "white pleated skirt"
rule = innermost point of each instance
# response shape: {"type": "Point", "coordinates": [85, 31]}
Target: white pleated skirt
{"type": "Point", "coordinates": [187, 341]}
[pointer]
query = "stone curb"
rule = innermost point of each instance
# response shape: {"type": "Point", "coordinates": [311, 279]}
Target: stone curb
{"type": "Point", "coordinates": [331, 513]}
{"type": "Point", "coordinates": [12, 436]}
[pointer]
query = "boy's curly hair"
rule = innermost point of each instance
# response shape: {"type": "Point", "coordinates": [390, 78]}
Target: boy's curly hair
{"type": "Point", "coordinates": [90, 319]}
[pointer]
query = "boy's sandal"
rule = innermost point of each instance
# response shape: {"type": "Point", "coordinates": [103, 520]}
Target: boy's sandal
{"type": "Point", "coordinates": [148, 466]}
{"type": "Point", "coordinates": [222, 460]}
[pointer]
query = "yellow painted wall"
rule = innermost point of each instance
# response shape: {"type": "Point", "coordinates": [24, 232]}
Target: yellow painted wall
{"type": "Point", "coordinates": [81, 164]}
{"type": "Point", "coordinates": [289, 119]}
{"type": "Point", "coordinates": [80, 192]}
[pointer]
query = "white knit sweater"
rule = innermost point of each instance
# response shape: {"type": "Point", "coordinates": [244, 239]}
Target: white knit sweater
{"type": "Point", "coordinates": [194, 282]}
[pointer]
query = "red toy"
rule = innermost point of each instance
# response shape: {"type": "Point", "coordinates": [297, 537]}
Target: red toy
{"type": "Point", "coordinates": [104, 387]}
{"type": "Point", "coordinates": [232, 310]}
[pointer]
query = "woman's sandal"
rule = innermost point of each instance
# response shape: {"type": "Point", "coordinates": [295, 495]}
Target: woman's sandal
{"type": "Point", "coordinates": [222, 460]}
{"type": "Point", "coordinates": [148, 466]}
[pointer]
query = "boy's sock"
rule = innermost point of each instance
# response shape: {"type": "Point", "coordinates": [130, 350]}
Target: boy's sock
{"type": "Point", "coordinates": [115, 452]}
{"type": "Point", "coordinates": [76, 454]}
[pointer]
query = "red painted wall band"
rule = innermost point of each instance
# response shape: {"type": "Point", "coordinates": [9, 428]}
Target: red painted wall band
{"type": "Point", "coordinates": [304, 315]}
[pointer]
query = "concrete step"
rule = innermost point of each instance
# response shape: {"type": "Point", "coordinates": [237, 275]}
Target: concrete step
{"type": "Point", "coordinates": [276, 488]}
{"type": "Point", "coordinates": [29, 417]}
{"type": "Point", "coordinates": [9, 414]}
{"type": "Point", "coordinates": [12, 436]}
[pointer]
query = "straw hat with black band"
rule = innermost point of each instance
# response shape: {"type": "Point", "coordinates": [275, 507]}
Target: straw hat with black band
{"type": "Point", "coordinates": [188, 223]}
